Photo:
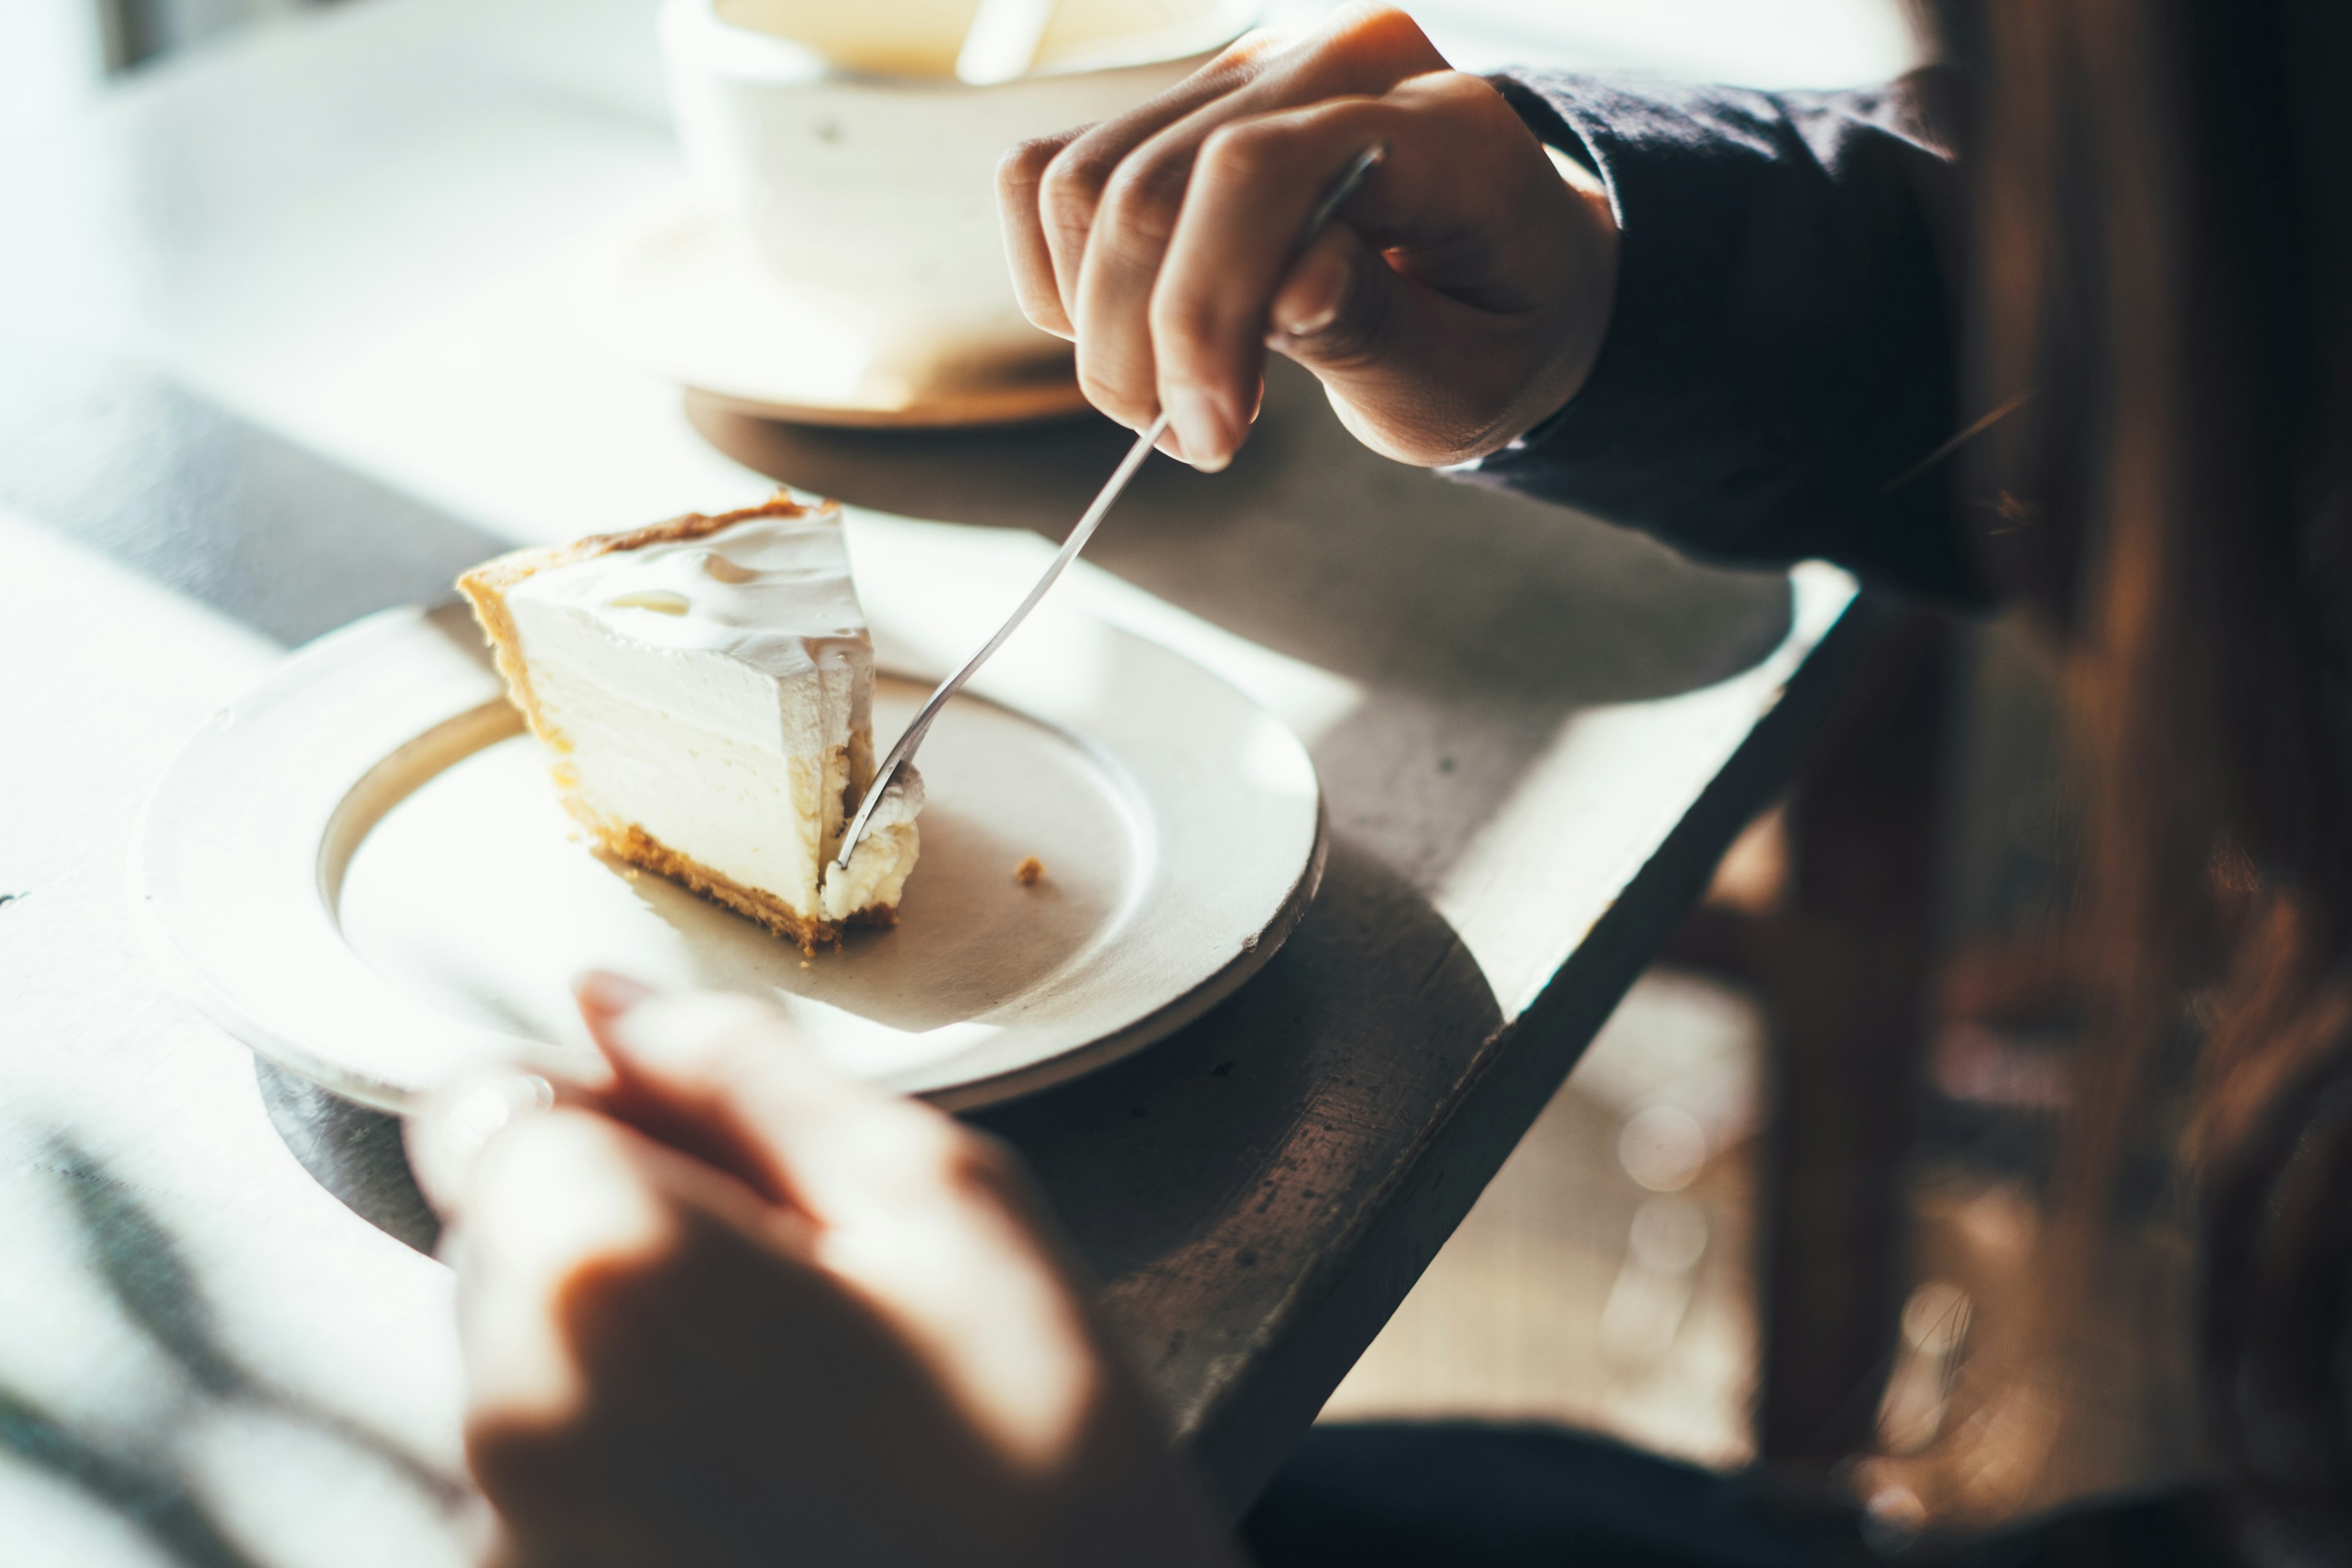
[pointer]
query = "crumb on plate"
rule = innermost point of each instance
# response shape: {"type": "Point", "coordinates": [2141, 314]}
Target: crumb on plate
{"type": "Point", "coordinates": [1029, 872]}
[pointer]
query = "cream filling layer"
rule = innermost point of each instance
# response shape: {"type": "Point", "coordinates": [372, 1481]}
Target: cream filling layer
{"type": "Point", "coordinates": [878, 867]}
{"type": "Point", "coordinates": [754, 816]}
{"type": "Point", "coordinates": [751, 814]}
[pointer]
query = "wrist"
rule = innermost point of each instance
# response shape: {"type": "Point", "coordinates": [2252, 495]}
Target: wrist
{"type": "Point", "coordinates": [1585, 252]}
{"type": "Point", "coordinates": [1592, 288]}
{"type": "Point", "coordinates": [1581, 252]}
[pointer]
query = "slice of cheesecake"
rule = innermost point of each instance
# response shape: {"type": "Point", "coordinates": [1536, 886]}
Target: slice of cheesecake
{"type": "Point", "coordinates": [704, 689]}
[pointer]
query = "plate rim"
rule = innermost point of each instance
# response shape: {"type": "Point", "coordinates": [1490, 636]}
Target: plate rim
{"type": "Point", "coordinates": [245, 1022]}
{"type": "Point", "coordinates": [1014, 403]}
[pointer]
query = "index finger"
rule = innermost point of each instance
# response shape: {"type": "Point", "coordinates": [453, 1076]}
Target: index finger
{"type": "Point", "coordinates": [1048, 189]}
{"type": "Point", "coordinates": [723, 1077]}
{"type": "Point", "coordinates": [1044, 237]}
{"type": "Point", "coordinates": [1109, 226]}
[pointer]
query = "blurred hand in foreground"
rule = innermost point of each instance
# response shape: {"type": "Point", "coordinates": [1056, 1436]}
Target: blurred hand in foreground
{"type": "Point", "coordinates": [731, 1307]}
{"type": "Point", "coordinates": [1460, 297]}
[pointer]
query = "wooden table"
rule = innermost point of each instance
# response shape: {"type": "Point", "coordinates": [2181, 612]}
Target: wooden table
{"type": "Point", "coordinates": [282, 341]}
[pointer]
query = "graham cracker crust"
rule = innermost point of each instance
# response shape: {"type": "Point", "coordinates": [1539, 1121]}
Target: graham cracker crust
{"type": "Point", "coordinates": [639, 848]}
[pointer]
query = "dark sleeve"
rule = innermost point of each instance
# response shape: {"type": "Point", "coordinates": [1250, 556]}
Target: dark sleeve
{"type": "Point", "coordinates": [1779, 360]}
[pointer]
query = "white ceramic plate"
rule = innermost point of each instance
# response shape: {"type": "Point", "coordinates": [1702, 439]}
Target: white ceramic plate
{"type": "Point", "coordinates": [363, 870]}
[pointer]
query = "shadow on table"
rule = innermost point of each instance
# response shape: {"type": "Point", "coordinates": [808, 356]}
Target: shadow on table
{"type": "Point", "coordinates": [1478, 621]}
{"type": "Point", "coordinates": [146, 1485]}
{"type": "Point", "coordinates": [127, 461]}
{"type": "Point", "coordinates": [351, 1149]}
{"type": "Point", "coordinates": [1369, 952]}
{"type": "Point", "coordinates": [153, 1498]}
{"type": "Point", "coordinates": [1222, 1185]}
{"type": "Point", "coordinates": [1317, 547]}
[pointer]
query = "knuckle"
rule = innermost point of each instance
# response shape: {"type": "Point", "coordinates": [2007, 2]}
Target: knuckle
{"type": "Point", "coordinates": [1023, 166]}
{"type": "Point", "coordinates": [1377, 21]}
{"type": "Point", "coordinates": [1239, 152]}
{"type": "Point", "coordinates": [1114, 375]}
{"type": "Point", "coordinates": [1185, 320]}
{"type": "Point", "coordinates": [1242, 57]}
{"type": "Point", "coordinates": [1140, 201]}
{"type": "Point", "coordinates": [1461, 86]}
{"type": "Point", "coordinates": [1470, 98]}
{"type": "Point", "coordinates": [1072, 184]}
{"type": "Point", "coordinates": [1384, 38]}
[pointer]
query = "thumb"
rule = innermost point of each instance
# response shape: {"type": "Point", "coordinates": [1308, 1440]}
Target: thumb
{"type": "Point", "coordinates": [1409, 370]}
{"type": "Point", "coordinates": [1336, 310]}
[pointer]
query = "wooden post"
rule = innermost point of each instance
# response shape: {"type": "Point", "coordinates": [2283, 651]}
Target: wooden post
{"type": "Point", "coordinates": [1843, 962]}
{"type": "Point", "coordinates": [1846, 972]}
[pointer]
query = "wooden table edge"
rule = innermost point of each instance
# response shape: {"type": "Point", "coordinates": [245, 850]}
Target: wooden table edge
{"type": "Point", "coordinates": [1241, 1434]}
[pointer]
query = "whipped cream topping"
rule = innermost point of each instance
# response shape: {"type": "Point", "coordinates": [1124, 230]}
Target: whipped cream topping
{"type": "Point", "coordinates": [760, 591]}
{"type": "Point", "coordinates": [715, 629]}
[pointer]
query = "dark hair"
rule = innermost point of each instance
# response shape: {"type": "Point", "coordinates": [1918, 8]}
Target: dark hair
{"type": "Point", "coordinates": [2163, 256]}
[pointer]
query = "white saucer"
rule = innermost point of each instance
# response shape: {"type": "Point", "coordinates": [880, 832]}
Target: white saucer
{"type": "Point", "coordinates": [681, 295]}
{"type": "Point", "coordinates": [363, 871]}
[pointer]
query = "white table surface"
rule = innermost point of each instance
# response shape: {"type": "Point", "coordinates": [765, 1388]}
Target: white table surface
{"type": "Point", "coordinates": [282, 340]}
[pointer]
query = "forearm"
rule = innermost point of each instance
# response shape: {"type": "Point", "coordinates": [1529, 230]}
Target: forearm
{"type": "Point", "coordinates": [1780, 355]}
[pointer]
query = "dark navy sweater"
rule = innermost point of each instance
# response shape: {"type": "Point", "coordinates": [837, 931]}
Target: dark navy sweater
{"type": "Point", "coordinates": [1781, 359]}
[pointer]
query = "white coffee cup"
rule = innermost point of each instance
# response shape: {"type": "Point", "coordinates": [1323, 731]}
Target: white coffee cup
{"type": "Point", "coordinates": [836, 142]}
